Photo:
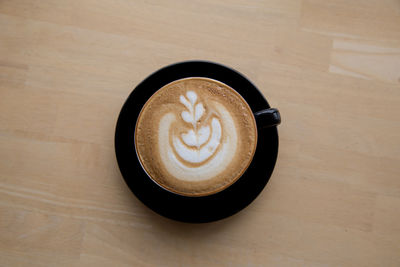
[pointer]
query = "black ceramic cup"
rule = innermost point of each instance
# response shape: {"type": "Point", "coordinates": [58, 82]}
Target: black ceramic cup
{"type": "Point", "coordinates": [212, 207]}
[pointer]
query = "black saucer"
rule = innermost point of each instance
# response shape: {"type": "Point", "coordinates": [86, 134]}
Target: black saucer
{"type": "Point", "coordinates": [194, 209]}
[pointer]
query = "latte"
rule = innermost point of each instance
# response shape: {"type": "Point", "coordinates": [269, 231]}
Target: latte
{"type": "Point", "coordinates": [195, 136]}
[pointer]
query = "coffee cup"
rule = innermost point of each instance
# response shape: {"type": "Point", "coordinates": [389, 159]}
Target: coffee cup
{"type": "Point", "coordinates": [188, 141]}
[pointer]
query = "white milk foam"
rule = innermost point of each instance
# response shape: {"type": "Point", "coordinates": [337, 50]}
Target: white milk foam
{"type": "Point", "coordinates": [202, 145]}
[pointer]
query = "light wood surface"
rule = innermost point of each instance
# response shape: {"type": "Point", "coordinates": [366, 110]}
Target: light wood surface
{"type": "Point", "coordinates": [331, 67]}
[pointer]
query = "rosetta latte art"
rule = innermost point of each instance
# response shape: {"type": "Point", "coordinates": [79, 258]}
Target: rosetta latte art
{"type": "Point", "coordinates": [202, 151]}
{"type": "Point", "coordinates": [199, 143]}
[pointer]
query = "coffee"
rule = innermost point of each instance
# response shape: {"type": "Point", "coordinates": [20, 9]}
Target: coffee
{"type": "Point", "coordinates": [195, 136]}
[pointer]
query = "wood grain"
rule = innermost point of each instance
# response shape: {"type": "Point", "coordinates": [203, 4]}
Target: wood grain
{"type": "Point", "coordinates": [331, 67]}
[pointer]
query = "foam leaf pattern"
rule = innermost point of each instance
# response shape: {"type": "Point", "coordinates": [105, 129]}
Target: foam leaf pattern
{"type": "Point", "coordinates": [192, 139]}
{"type": "Point", "coordinates": [187, 117]}
{"type": "Point", "coordinates": [184, 101]}
{"type": "Point", "coordinates": [201, 154]}
{"type": "Point", "coordinates": [198, 111]}
{"type": "Point", "coordinates": [192, 96]}
{"type": "Point", "coordinates": [197, 136]}
{"type": "Point", "coordinates": [194, 111]}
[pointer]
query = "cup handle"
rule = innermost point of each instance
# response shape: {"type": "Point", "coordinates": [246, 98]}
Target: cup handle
{"type": "Point", "coordinates": [267, 118]}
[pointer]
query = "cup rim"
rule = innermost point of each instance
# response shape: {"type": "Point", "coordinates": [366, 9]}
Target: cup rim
{"type": "Point", "coordinates": [180, 207]}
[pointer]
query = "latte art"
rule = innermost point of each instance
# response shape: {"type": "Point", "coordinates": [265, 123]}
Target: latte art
{"type": "Point", "coordinates": [194, 148]}
{"type": "Point", "coordinates": [195, 136]}
{"type": "Point", "coordinates": [199, 152]}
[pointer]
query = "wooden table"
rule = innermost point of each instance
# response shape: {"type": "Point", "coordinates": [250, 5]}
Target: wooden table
{"type": "Point", "coordinates": [331, 67]}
